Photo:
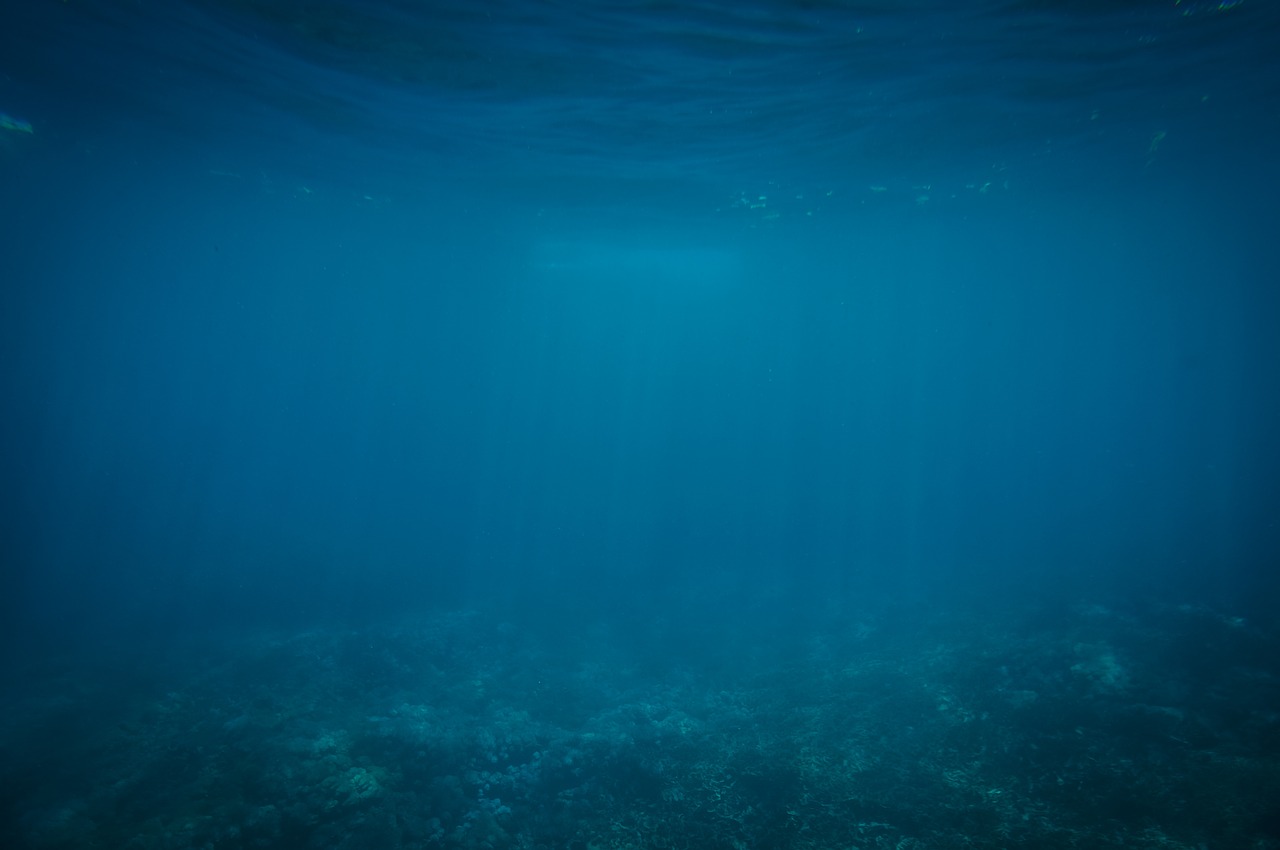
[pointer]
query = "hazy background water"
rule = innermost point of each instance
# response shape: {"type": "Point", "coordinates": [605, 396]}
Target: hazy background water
{"type": "Point", "coordinates": [661, 312]}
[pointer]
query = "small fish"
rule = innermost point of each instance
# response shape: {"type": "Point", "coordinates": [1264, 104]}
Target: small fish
{"type": "Point", "coordinates": [8, 122]}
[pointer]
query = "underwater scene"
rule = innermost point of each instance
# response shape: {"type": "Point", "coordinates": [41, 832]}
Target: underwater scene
{"type": "Point", "coordinates": [634, 425]}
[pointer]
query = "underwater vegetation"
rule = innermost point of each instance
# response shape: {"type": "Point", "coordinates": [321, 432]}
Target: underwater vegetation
{"type": "Point", "coordinates": [877, 730]}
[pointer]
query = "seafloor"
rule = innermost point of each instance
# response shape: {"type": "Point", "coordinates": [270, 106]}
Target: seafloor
{"type": "Point", "coordinates": [1089, 728]}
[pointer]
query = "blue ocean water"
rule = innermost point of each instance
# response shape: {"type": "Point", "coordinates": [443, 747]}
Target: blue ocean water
{"type": "Point", "coordinates": [639, 424]}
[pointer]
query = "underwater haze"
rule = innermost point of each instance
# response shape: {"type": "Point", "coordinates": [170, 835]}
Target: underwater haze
{"type": "Point", "coordinates": [622, 424]}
